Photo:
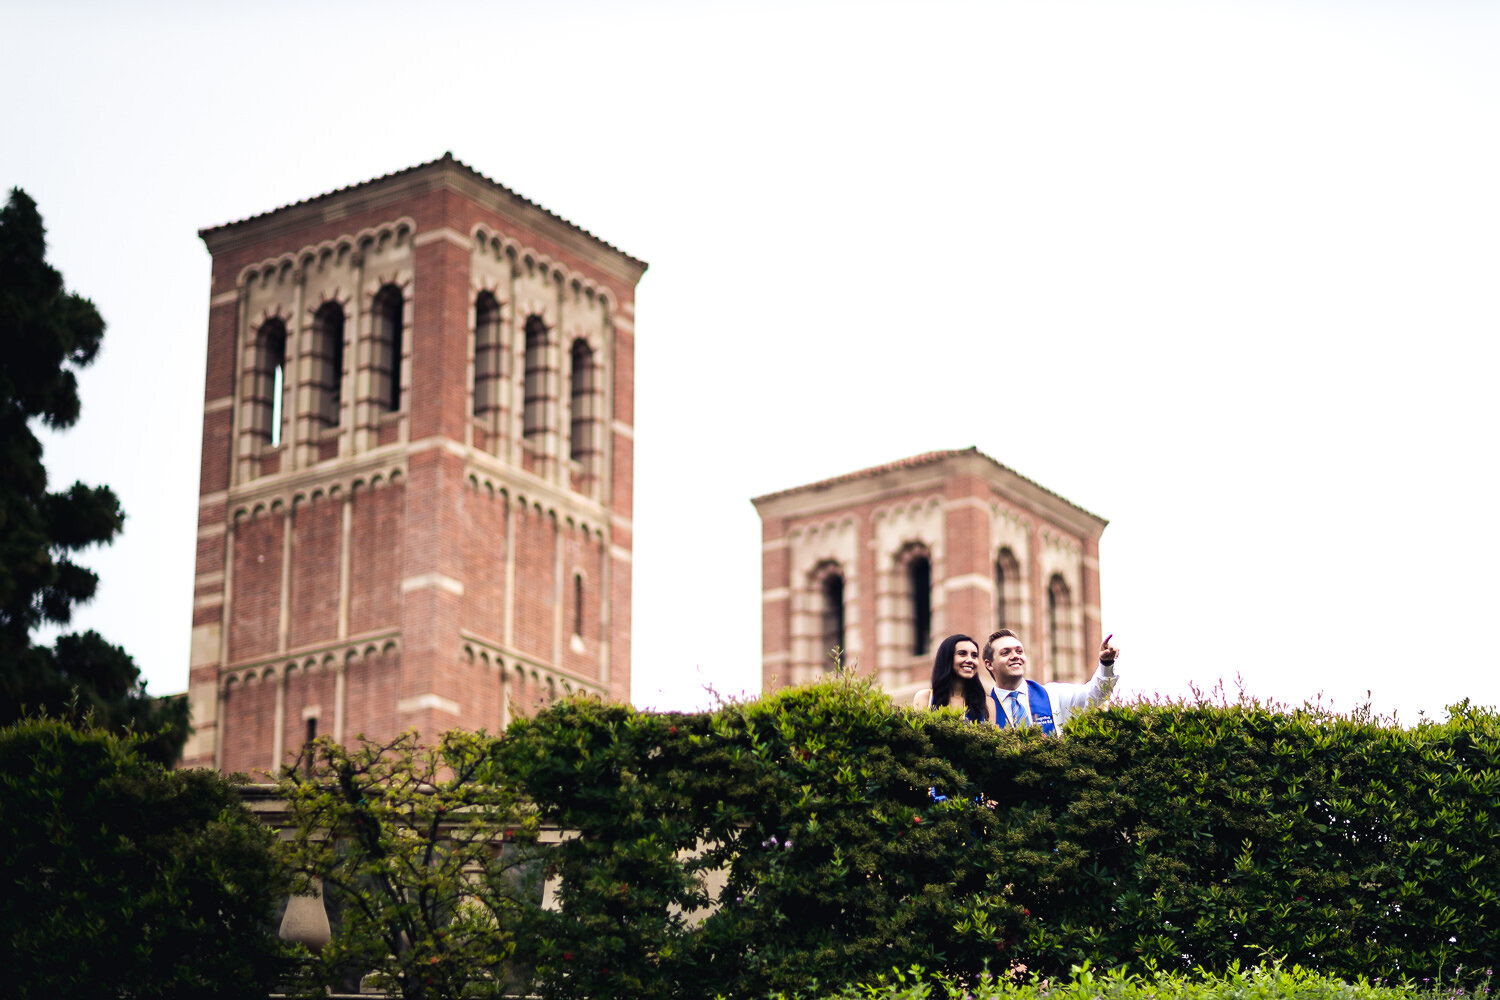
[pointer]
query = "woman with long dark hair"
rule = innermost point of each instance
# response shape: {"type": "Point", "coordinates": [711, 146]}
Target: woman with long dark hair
{"type": "Point", "coordinates": [955, 678]}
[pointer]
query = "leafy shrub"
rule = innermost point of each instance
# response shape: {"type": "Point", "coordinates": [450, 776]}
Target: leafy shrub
{"type": "Point", "coordinates": [125, 879]}
{"type": "Point", "coordinates": [857, 838]}
{"type": "Point", "coordinates": [840, 864]}
{"type": "Point", "coordinates": [424, 868]}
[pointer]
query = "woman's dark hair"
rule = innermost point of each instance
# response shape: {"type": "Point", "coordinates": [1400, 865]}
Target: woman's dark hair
{"type": "Point", "coordinates": [943, 679]}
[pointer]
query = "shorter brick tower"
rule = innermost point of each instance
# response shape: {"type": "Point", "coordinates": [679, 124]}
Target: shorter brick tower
{"type": "Point", "coordinates": [884, 562]}
{"type": "Point", "coordinates": [415, 510]}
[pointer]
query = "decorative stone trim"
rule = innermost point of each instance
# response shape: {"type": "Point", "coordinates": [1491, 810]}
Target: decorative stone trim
{"type": "Point", "coordinates": [322, 657]}
{"type": "Point", "coordinates": [497, 488]}
{"type": "Point", "coordinates": [504, 249]}
{"type": "Point", "coordinates": [314, 485]}
{"type": "Point", "coordinates": [495, 657]}
{"type": "Point", "coordinates": [346, 250]}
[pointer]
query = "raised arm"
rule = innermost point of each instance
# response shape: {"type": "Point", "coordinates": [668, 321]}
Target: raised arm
{"type": "Point", "coordinates": [1098, 688]}
{"type": "Point", "coordinates": [1102, 683]}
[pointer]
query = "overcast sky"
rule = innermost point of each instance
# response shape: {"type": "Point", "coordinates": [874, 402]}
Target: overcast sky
{"type": "Point", "coordinates": [1224, 273]}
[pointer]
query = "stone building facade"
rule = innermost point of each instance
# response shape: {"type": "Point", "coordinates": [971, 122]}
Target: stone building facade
{"type": "Point", "coordinates": [415, 503]}
{"type": "Point", "coordinates": [884, 562]}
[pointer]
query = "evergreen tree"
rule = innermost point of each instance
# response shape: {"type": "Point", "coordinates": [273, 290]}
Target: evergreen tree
{"type": "Point", "coordinates": [46, 334]}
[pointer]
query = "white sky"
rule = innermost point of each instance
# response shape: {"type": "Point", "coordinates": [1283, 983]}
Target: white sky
{"type": "Point", "coordinates": [1221, 272]}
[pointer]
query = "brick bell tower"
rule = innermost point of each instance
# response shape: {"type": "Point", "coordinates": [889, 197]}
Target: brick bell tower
{"type": "Point", "coordinates": [415, 502]}
{"type": "Point", "coordinates": [884, 562]}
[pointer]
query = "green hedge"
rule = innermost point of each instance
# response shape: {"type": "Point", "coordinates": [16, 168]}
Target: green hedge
{"type": "Point", "coordinates": [1153, 838]}
{"type": "Point", "coordinates": [1270, 982]}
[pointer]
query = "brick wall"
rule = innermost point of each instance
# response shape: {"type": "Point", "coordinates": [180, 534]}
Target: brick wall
{"type": "Point", "coordinates": [535, 582]}
{"type": "Point", "coordinates": [484, 555]}
{"type": "Point", "coordinates": [255, 624]}
{"type": "Point", "coordinates": [483, 707]}
{"type": "Point", "coordinates": [375, 558]}
{"type": "Point", "coordinates": [314, 598]}
{"type": "Point", "coordinates": [373, 684]}
{"type": "Point", "coordinates": [249, 708]}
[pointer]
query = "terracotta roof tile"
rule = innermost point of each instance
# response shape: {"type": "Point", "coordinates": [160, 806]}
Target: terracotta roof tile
{"type": "Point", "coordinates": [916, 461]}
{"type": "Point", "coordinates": [445, 158]}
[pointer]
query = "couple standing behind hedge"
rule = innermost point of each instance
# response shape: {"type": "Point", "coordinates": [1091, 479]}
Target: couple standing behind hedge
{"type": "Point", "coordinates": [999, 692]}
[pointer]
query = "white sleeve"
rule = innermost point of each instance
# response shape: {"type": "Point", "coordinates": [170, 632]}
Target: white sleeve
{"type": "Point", "coordinates": [1068, 697]}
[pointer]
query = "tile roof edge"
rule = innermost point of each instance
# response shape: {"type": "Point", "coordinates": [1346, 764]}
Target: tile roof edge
{"type": "Point", "coordinates": [446, 158]}
{"type": "Point", "coordinates": [917, 461]}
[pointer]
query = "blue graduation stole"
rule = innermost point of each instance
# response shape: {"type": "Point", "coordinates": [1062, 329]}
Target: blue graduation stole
{"type": "Point", "coordinates": [1040, 705]}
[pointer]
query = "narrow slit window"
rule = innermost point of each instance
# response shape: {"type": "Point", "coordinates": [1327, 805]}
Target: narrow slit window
{"type": "Point", "coordinates": [581, 446]}
{"type": "Point", "coordinates": [278, 396]}
{"type": "Point", "coordinates": [833, 611]}
{"type": "Point", "coordinates": [919, 579]}
{"type": "Point", "coordinates": [389, 308]}
{"type": "Point", "coordinates": [270, 382]}
{"type": "Point", "coordinates": [328, 362]}
{"type": "Point", "coordinates": [487, 355]}
{"type": "Point", "coordinates": [578, 604]}
{"type": "Point", "coordinates": [535, 415]}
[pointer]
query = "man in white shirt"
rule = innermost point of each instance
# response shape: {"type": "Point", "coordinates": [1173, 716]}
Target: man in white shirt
{"type": "Point", "coordinates": [1023, 702]}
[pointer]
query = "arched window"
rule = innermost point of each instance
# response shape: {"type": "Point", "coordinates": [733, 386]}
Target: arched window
{"type": "Point", "coordinates": [387, 315]}
{"type": "Point", "coordinates": [537, 412]}
{"type": "Point", "coordinates": [328, 363]}
{"type": "Point", "coordinates": [833, 611]}
{"type": "Point", "coordinates": [582, 443]}
{"type": "Point", "coordinates": [1007, 590]}
{"type": "Point", "coordinates": [268, 387]}
{"type": "Point", "coordinates": [1059, 626]}
{"type": "Point", "coordinates": [489, 359]}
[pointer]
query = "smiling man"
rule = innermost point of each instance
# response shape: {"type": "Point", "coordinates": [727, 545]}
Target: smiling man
{"type": "Point", "coordinates": [1021, 702]}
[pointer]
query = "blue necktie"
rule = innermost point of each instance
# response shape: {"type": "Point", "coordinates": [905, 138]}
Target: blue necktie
{"type": "Point", "coordinates": [1013, 709]}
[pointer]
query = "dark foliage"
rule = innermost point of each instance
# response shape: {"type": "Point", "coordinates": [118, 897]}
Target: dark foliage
{"type": "Point", "coordinates": [126, 879]}
{"type": "Point", "coordinates": [46, 334]}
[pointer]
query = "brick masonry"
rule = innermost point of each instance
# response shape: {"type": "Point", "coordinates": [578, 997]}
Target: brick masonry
{"type": "Point", "coordinates": [417, 567]}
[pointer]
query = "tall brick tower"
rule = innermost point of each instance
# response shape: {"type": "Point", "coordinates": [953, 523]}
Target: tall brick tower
{"type": "Point", "coordinates": [884, 562]}
{"type": "Point", "coordinates": [415, 505]}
